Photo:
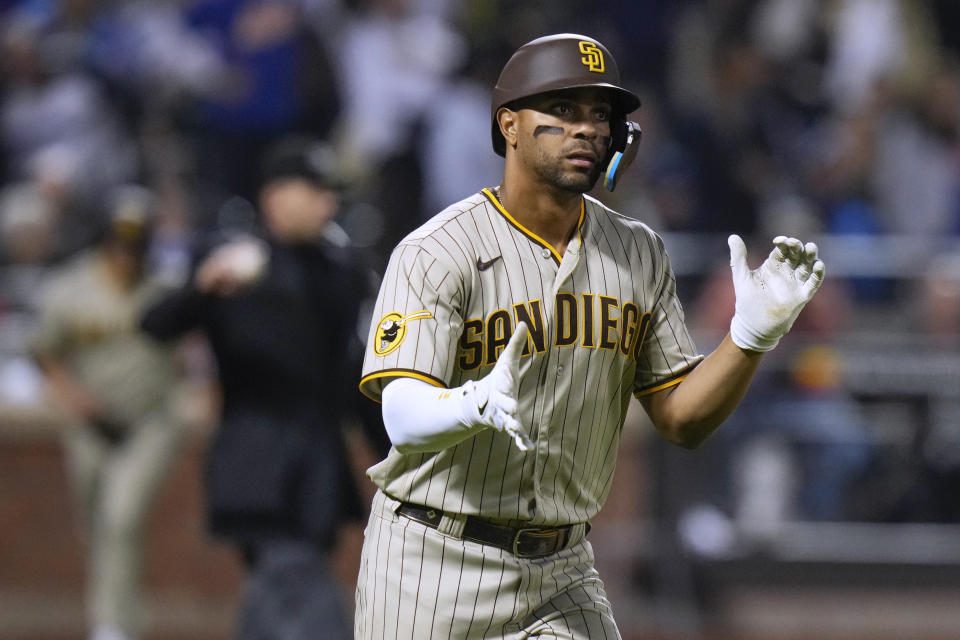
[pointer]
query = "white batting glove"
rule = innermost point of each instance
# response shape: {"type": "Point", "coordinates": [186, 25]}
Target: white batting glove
{"type": "Point", "coordinates": [493, 400]}
{"type": "Point", "coordinates": [770, 298]}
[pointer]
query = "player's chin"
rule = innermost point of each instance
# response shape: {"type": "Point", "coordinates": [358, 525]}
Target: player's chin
{"type": "Point", "coordinates": [578, 179]}
{"type": "Point", "coordinates": [570, 178]}
{"type": "Point", "coordinates": [578, 182]}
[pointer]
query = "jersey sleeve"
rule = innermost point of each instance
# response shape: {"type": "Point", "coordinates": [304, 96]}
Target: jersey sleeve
{"type": "Point", "coordinates": [416, 322]}
{"type": "Point", "coordinates": [667, 353]}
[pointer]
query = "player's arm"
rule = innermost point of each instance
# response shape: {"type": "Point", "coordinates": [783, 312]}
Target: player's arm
{"type": "Point", "coordinates": [687, 413]}
{"type": "Point", "coordinates": [68, 390]}
{"type": "Point", "coordinates": [769, 299]}
{"type": "Point", "coordinates": [420, 417]}
{"type": "Point", "coordinates": [50, 347]}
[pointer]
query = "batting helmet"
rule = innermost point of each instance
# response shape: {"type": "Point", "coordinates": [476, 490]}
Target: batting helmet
{"type": "Point", "coordinates": [551, 63]}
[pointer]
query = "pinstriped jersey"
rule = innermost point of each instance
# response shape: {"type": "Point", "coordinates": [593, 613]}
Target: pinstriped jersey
{"type": "Point", "coordinates": [605, 324]}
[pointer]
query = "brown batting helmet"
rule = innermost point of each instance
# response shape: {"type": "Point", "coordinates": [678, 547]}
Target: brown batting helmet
{"type": "Point", "coordinates": [552, 63]}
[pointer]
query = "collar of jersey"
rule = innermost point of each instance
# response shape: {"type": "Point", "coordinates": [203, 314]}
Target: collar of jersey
{"type": "Point", "coordinates": [530, 234]}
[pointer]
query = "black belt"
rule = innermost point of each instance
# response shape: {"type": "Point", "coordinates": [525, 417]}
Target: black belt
{"type": "Point", "coordinates": [523, 542]}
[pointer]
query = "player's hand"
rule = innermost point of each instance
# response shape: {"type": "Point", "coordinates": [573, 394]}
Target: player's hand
{"type": "Point", "coordinates": [771, 297]}
{"type": "Point", "coordinates": [497, 394]}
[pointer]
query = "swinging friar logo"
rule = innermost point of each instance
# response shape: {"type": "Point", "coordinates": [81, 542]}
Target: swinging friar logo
{"type": "Point", "coordinates": [392, 329]}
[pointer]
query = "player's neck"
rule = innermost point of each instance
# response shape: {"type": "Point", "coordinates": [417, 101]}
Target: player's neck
{"type": "Point", "coordinates": [551, 214]}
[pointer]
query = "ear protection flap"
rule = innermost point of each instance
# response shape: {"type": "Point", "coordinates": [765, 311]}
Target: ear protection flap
{"type": "Point", "coordinates": [625, 138]}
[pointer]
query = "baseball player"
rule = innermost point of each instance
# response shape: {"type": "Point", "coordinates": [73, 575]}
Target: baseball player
{"type": "Point", "coordinates": [510, 332]}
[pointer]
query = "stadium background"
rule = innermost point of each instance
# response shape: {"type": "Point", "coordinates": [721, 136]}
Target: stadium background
{"type": "Point", "coordinates": [826, 508]}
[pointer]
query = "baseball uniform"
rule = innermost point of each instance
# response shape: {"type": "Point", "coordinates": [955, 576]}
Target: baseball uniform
{"type": "Point", "coordinates": [605, 324]}
{"type": "Point", "coordinates": [118, 464]}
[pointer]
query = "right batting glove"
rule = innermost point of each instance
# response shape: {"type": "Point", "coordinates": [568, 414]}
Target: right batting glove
{"type": "Point", "coordinates": [770, 298]}
{"type": "Point", "coordinates": [493, 400]}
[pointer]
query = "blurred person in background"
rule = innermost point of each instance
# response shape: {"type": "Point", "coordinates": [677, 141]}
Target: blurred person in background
{"type": "Point", "coordinates": [452, 149]}
{"type": "Point", "coordinates": [916, 175]}
{"type": "Point", "coordinates": [392, 53]}
{"type": "Point", "coordinates": [893, 129]}
{"type": "Point", "coordinates": [277, 78]}
{"type": "Point", "coordinates": [722, 116]}
{"type": "Point", "coordinates": [280, 313]}
{"type": "Point", "coordinates": [58, 128]}
{"type": "Point", "coordinates": [931, 496]}
{"type": "Point", "coordinates": [113, 382]}
{"type": "Point", "coordinates": [395, 60]}
{"type": "Point", "coordinates": [939, 301]}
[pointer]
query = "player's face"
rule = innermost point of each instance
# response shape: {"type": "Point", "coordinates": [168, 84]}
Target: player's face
{"type": "Point", "coordinates": [564, 137]}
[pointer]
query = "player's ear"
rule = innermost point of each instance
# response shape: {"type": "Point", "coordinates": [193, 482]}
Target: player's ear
{"type": "Point", "coordinates": [508, 121]}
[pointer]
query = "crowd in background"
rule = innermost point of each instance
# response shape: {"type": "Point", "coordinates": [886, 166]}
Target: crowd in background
{"type": "Point", "coordinates": [835, 118]}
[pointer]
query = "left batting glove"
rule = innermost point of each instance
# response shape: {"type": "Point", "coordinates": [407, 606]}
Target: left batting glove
{"type": "Point", "coordinates": [771, 297]}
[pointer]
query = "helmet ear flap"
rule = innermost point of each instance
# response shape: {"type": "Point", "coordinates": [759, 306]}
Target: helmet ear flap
{"type": "Point", "coordinates": [624, 140]}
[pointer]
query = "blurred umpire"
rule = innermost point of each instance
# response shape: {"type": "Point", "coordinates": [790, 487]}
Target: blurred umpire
{"type": "Point", "coordinates": [279, 309]}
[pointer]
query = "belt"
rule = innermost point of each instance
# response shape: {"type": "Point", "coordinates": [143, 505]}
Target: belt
{"type": "Point", "coordinates": [523, 542]}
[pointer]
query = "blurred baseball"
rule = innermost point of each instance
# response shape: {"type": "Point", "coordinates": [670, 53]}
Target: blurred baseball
{"type": "Point", "coordinates": [246, 259]}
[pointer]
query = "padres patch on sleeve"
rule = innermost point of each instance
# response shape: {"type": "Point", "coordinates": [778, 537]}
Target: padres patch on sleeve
{"type": "Point", "coordinates": [392, 329]}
